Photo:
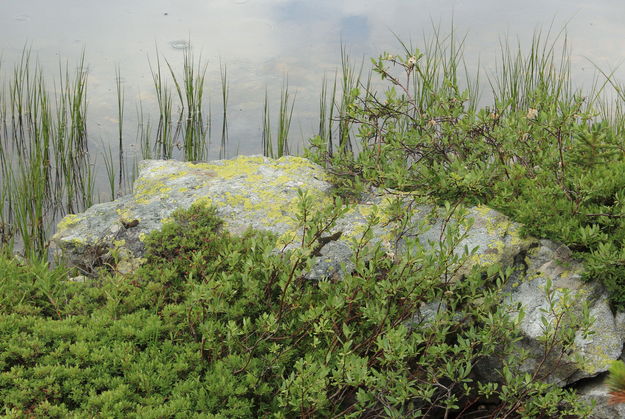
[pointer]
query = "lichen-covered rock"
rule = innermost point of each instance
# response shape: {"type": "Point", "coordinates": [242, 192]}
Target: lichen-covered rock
{"type": "Point", "coordinates": [492, 236]}
{"type": "Point", "coordinates": [259, 193]}
{"type": "Point", "coordinates": [554, 262]}
{"type": "Point", "coordinates": [248, 191]}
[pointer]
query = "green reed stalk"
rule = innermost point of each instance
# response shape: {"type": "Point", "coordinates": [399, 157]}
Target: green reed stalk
{"type": "Point", "coordinates": [164, 136]}
{"type": "Point", "coordinates": [521, 76]}
{"type": "Point", "coordinates": [120, 130]}
{"type": "Point", "coordinates": [326, 110]}
{"type": "Point", "coordinates": [350, 81]}
{"type": "Point", "coordinates": [109, 166]}
{"type": "Point", "coordinates": [190, 92]}
{"type": "Point", "coordinates": [266, 136]}
{"type": "Point", "coordinates": [44, 160]}
{"type": "Point", "coordinates": [284, 119]}
{"type": "Point", "coordinates": [224, 121]}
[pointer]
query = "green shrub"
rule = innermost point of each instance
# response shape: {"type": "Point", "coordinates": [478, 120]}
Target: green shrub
{"type": "Point", "coordinates": [541, 154]}
{"type": "Point", "coordinates": [227, 326]}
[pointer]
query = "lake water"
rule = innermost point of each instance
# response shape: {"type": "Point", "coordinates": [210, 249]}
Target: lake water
{"type": "Point", "coordinates": [263, 41]}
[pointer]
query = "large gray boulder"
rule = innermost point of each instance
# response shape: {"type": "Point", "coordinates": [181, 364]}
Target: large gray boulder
{"type": "Point", "coordinates": [262, 193]}
{"type": "Point", "coordinates": [248, 192]}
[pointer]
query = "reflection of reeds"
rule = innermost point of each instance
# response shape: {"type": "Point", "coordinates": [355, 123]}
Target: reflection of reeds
{"type": "Point", "coordinates": [143, 134]}
{"type": "Point", "coordinates": [164, 143]}
{"type": "Point", "coordinates": [189, 129]}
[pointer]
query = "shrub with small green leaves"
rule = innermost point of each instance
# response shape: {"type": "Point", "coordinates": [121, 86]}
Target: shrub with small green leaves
{"type": "Point", "coordinates": [541, 154]}
{"type": "Point", "coordinates": [228, 326]}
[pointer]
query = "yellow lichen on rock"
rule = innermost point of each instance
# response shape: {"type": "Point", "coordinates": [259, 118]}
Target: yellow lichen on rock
{"type": "Point", "coordinates": [68, 221]}
{"type": "Point", "coordinates": [145, 191]}
{"type": "Point", "coordinates": [241, 166]}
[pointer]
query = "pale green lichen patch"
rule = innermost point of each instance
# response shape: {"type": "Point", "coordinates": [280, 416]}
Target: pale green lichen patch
{"type": "Point", "coordinates": [262, 189]}
{"type": "Point", "coordinates": [158, 184]}
{"type": "Point", "coordinates": [491, 255]}
{"type": "Point", "coordinates": [68, 221]}
{"type": "Point", "coordinates": [145, 191]}
{"type": "Point", "coordinates": [249, 166]}
{"type": "Point", "coordinates": [515, 237]}
{"type": "Point", "coordinates": [364, 210]}
{"type": "Point", "coordinates": [75, 242]}
{"type": "Point", "coordinates": [596, 359]}
{"type": "Point", "coordinates": [294, 165]}
{"type": "Point", "coordinates": [483, 210]}
{"type": "Point", "coordinates": [241, 166]}
{"type": "Point", "coordinates": [500, 226]}
{"type": "Point", "coordinates": [360, 223]}
{"type": "Point", "coordinates": [126, 215]}
{"type": "Point", "coordinates": [123, 213]}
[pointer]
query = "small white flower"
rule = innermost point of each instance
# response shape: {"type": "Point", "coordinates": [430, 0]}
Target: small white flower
{"type": "Point", "coordinates": [532, 113]}
{"type": "Point", "coordinates": [412, 61]}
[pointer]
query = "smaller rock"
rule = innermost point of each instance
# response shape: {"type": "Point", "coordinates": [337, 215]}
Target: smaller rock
{"type": "Point", "coordinates": [591, 355]}
{"type": "Point", "coordinates": [597, 391]}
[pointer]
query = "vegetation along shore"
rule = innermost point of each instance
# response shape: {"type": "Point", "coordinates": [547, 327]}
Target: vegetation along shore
{"type": "Point", "coordinates": [231, 325]}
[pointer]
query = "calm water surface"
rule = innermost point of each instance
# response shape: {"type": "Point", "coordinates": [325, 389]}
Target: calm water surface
{"type": "Point", "coordinates": [263, 41]}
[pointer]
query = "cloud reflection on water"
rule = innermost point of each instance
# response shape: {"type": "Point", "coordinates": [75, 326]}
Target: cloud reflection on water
{"type": "Point", "coordinates": [262, 40]}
